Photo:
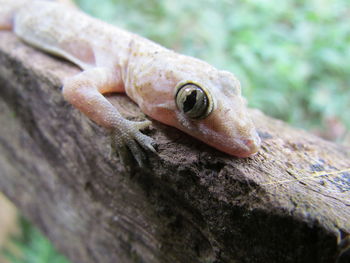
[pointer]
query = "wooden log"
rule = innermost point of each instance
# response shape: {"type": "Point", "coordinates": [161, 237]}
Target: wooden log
{"type": "Point", "coordinates": [289, 203]}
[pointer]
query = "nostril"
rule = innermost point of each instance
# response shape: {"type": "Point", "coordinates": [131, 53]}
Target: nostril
{"type": "Point", "coordinates": [247, 142]}
{"type": "Point", "coordinates": [252, 144]}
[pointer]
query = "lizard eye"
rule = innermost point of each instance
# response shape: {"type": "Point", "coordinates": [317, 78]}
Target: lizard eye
{"type": "Point", "coordinates": [193, 101]}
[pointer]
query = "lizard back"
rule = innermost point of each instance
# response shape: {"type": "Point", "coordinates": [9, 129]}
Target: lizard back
{"type": "Point", "coordinates": [45, 25]}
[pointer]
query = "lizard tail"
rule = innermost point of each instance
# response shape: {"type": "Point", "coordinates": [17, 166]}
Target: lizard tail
{"type": "Point", "coordinates": [7, 10]}
{"type": "Point", "coordinates": [9, 7]}
{"type": "Point", "coordinates": [70, 3]}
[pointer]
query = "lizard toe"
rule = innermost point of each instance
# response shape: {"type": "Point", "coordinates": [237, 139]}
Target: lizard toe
{"type": "Point", "coordinates": [132, 145]}
{"type": "Point", "coordinates": [146, 142]}
{"type": "Point", "coordinates": [142, 124]}
{"type": "Point", "coordinates": [137, 153]}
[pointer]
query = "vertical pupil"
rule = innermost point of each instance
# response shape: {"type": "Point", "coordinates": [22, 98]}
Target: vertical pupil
{"type": "Point", "coordinates": [190, 101]}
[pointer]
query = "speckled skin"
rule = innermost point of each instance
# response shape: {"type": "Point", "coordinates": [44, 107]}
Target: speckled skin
{"type": "Point", "coordinates": [114, 60]}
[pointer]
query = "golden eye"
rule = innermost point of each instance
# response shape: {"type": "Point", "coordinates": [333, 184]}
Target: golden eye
{"type": "Point", "coordinates": [193, 101]}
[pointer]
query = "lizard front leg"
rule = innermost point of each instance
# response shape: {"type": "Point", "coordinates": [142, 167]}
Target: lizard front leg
{"type": "Point", "coordinates": [85, 91]}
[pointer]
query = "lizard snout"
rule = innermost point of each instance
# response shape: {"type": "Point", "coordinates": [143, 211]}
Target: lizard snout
{"type": "Point", "coordinates": [252, 144]}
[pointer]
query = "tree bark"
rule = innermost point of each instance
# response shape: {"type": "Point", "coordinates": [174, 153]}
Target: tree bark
{"type": "Point", "coordinates": [288, 203]}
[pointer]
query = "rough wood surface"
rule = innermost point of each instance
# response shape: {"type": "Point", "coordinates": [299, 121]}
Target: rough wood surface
{"type": "Point", "coordinates": [289, 203]}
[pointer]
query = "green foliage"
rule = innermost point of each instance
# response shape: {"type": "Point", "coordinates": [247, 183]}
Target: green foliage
{"type": "Point", "coordinates": [291, 56]}
{"type": "Point", "coordinates": [33, 247]}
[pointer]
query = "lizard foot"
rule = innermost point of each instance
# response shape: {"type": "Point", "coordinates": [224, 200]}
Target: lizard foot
{"type": "Point", "coordinates": [128, 142]}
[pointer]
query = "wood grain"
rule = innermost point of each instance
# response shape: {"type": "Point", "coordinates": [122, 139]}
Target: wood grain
{"type": "Point", "coordinates": [289, 203]}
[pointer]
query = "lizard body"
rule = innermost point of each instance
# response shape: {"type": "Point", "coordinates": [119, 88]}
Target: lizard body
{"type": "Point", "coordinates": [177, 90]}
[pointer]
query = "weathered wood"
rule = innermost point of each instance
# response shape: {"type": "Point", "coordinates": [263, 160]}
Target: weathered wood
{"type": "Point", "coordinates": [289, 203]}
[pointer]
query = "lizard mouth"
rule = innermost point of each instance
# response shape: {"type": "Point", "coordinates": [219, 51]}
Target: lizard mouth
{"type": "Point", "coordinates": [238, 147]}
{"type": "Point", "coordinates": [242, 147]}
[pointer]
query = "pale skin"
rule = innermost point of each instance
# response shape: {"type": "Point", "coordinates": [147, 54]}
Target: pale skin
{"type": "Point", "coordinates": [165, 85]}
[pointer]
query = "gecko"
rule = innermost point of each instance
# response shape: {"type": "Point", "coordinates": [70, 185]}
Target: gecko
{"type": "Point", "coordinates": [177, 90]}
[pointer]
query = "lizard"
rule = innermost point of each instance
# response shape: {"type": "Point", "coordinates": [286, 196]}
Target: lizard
{"type": "Point", "coordinates": [177, 90]}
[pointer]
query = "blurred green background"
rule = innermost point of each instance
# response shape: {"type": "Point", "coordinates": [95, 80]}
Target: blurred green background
{"type": "Point", "coordinates": [292, 57]}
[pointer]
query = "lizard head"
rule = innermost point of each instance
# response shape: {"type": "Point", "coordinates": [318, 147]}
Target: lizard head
{"type": "Point", "coordinates": [213, 110]}
{"type": "Point", "coordinates": [195, 97]}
